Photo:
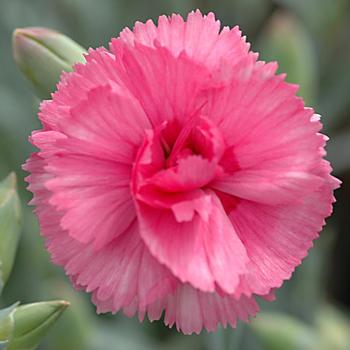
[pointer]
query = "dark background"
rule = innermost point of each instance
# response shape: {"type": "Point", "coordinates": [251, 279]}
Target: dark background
{"type": "Point", "coordinates": [311, 41]}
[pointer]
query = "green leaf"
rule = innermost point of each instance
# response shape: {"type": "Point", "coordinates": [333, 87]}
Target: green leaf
{"type": "Point", "coordinates": [278, 331]}
{"type": "Point", "coordinates": [32, 322]}
{"type": "Point", "coordinates": [42, 55]}
{"type": "Point", "coordinates": [10, 214]}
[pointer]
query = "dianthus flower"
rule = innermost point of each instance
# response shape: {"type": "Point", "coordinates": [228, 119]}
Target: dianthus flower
{"type": "Point", "coordinates": [176, 173]}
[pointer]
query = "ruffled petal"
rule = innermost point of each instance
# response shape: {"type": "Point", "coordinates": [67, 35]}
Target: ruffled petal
{"type": "Point", "coordinates": [277, 238]}
{"type": "Point", "coordinates": [269, 186]}
{"type": "Point", "coordinates": [74, 86]}
{"type": "Point", "coordinates": [200, 251]}
{"type": "Point", "coordinates": [90, 157]}
{"type": "Point", "coordinates": [192, 310]}
{"type": "Point", "coordinates": [191, 172]}
{"type": "Point", "coordinates": [199, 36]}
{"type": "Point", "coordinates": [119, 274]}
{"type": "Point", "coordinates": [276, 146]}
{"type": "Point", "coordinates": [79, 185]}
{"type": "Point", "coordinates": [109, 120]}
{"type": "Point", "coordinates": [167, 87]}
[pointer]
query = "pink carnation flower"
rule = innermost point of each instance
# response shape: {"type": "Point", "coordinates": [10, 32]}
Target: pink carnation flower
{"type": "Point", "coordinates": [177, 173]}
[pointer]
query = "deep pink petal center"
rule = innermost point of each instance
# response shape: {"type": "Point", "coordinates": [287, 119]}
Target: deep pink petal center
{"type": "Point", "coordinates": [175, 161]}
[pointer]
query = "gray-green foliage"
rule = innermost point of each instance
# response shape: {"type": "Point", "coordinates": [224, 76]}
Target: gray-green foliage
{"type": "Point", "coordinates": [315, 54]}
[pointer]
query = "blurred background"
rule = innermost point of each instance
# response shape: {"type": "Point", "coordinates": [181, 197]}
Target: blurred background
{"type": "Point", "coordinates": [311, 41]}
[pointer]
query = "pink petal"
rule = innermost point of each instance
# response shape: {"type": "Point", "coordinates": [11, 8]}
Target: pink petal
{"type": "Point", "coordinates": [277, 238]}
{"type": "Point", "coordinates": [192, 172]}
{"type": "Point", "coordinates": [117, 274]}
{"type": "Point", "coordinates": [275, 146]}
{"type": "Point", "coordinates": [90, 158]}
{"type": "Point", "coordinates": [199, 37]}
{"type": "Point", "coordinates": [74, 86]}
{"type": "Point", "coordinates": [191, 310]}
{"type": "Point", "coordinates": [200, 251]}
{"type": "Point", "coordinates": [276, 128]}
{"type": "Point", "coordinates": [110, 120]}
{"type": "Point", "coordinates": [79, 186]}
{"type": "Point", "coordinates": [268, 186]}
{"type": "Point", "coordinates": [150, 73]}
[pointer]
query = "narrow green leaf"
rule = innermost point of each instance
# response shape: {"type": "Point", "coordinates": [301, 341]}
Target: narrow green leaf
{"type": "Point", "coordinates": [10, 214]}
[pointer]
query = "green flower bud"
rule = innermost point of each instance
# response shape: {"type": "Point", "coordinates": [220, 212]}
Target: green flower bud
{"type": "Point", "coordinates": [9, 226]}
{"type": "Point", "coordinates": [31, 323]}
{"type": "Point", "coordinates": [42, 54]}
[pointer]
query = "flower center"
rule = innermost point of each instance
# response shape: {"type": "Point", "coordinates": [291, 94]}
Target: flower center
{"type": "Point", "coordinates": [198, 137]}
{"type": "Point", "coordinates": [176, 161]}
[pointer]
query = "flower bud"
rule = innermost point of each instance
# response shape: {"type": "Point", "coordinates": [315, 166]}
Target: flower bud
{"type": "Point", "coordinates": [9, 226]}
{"type": "Point", "coordinates": [32, 322]}
{"type": "Point", "coordinates": [42, 54]}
